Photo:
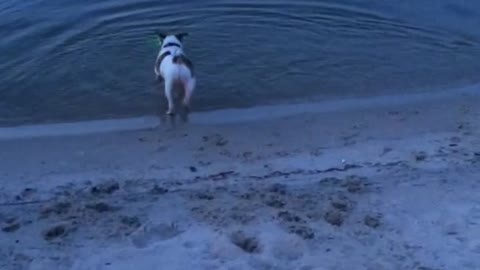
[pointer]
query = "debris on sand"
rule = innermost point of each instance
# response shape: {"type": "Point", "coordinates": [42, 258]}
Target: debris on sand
{"type": "Point", "coordinates": [216, 176]}
{"type": "Point", "coordinates": [289, 217]}
{"type": "Point", "coordinates": [101, 207]}
{"type": "Point", "coordinates": [426, 268]}
{"type": "Point", "coordinates": [303, 231]}
{"type": "Point", "coordinates": [26, 193]}
{"type": "Point", "coordinates": [246, 243]}
{"type": "Point", "coordinates": [334, 217]}
{"type": "Point", "coordinates": [330, 181]}
{"type": "Point", "coordinates": [278, 188]}
{"type": "Point", "coordinates": [372, 221]}
{"type": "Point", "coordinates": [247, 155]}
{"type": "Point", "coordinates": [58, 208]}
{"type": "Point", "coordinates": [11, 227]}
{"type": "Point", "coordinates": [204, 196]}
{"type": "Point", "coordinates": [386, 150]}
{"type": "Point", "coordinates": [131, 222]}
{"type": "Point", "coordinates": [275, 202]}
{"type": "Point", "coordinates": [355, 184]}
{"type": "Point", "coordinates": [220, 141]}
{"type": "Point", "coordinates": [105, 188]}
{"type": "Point", "coordinates": [420, 156]}
{"type": "Point", "coordinates": [341, 203]}
{"type": "Point", "coordinates": [158, 190]}
{"type": "Point", "coordinates": [55, 232]}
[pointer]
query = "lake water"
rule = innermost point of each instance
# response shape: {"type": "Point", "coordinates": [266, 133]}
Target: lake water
{"type": "Point", "coordinates": [66, 60]}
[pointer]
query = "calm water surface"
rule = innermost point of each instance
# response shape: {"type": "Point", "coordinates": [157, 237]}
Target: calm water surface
{"type": "Point", "coordinates": [67, 60]}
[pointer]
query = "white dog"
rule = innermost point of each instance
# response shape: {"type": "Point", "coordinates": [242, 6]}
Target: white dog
{"type": "Point", "coordinates": [174, 68]}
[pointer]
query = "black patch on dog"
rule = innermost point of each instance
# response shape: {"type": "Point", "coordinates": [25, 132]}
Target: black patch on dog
{"type": "Point", "coordinates": [183, 60]}
{"type": "Point", "coordinates": [159, 61]}
{"type": "Point", "coordinates": [162, 56]}
{"type": "Point", "coordinates": [172, 44]}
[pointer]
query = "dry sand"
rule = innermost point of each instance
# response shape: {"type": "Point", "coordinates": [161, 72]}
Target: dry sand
{"type": "Point", "coordinates": [391, 186]}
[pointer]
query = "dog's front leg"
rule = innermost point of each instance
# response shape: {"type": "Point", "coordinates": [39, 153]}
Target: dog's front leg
{"type": "Point", "coordinates": [169, 95]}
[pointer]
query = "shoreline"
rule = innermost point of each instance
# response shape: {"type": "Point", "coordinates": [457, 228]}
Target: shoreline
{"type": "Point", "coordinates": [338, 186]}
{"type": "Point", "coordinates": [226, 116]}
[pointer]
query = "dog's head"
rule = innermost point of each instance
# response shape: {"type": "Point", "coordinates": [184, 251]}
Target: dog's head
{"type": "Point", "coordinates": [166, 40]}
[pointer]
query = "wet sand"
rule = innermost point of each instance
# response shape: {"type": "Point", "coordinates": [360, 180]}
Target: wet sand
{"type": "Point", "coordinates": [380, 187]}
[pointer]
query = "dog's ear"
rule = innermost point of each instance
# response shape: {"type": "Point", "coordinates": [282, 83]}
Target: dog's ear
{"type": "Point", "coordinates": [180, 36]}
{"type": "Point", "coordinates": [160, 35]}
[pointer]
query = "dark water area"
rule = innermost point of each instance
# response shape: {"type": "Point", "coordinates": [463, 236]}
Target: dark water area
{"type": "Point", "coordinates": [66, 60]}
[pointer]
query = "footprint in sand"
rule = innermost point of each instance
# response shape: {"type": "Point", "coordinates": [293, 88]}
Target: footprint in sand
{"type": "Point", "coordinates": [150, 234]}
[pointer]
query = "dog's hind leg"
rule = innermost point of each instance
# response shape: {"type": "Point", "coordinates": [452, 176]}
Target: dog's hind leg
{"type": "Point", "coordinates": [169, 95]}
{"type": "Point", "coordinates": [189, 87]}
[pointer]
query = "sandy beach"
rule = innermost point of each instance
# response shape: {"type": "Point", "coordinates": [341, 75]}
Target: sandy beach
{"type": "Point", "coordinates": [347, 185]}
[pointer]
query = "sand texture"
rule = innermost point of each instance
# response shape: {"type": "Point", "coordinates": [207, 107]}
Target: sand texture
{"type": "Point", "coordinates": [373, 188]}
